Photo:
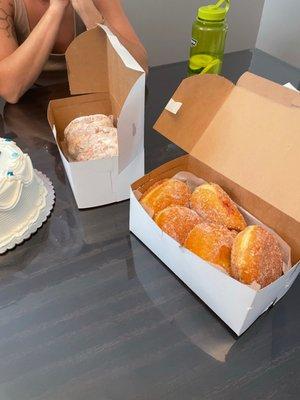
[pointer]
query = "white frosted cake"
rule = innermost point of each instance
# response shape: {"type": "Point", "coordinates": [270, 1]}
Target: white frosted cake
{"type": "Point", "coordinates": [22, 193]}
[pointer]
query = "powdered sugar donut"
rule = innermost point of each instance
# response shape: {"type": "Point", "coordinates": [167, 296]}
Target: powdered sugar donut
{"type": "Point", "coordinates": [91, 137]}
{"type": "Point", "coordinates": [97, 146]}
{"type": "Point", "coordinates": [89, 122]}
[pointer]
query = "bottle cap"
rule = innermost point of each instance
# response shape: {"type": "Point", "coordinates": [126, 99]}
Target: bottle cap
{"type": "Point", "coordinates": [214, 12]}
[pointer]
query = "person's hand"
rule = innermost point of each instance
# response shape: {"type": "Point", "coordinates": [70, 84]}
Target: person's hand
{"type": "Point", "coordinates": [82, 5]}
{"type": "Point", "coordinates": [88, 12]}
{"type": "Point", "coordinates": [59, 3]}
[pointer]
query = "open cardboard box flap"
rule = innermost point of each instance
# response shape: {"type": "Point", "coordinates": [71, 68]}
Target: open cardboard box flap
{"type": "Point", "coordinates": [250, 133]}
{"type": "Point", "coordinates": [103, 75]}
{"type": "Point", "coordinates": [97, 62]}
{"type": "Point", "coordinates": [269, 89]}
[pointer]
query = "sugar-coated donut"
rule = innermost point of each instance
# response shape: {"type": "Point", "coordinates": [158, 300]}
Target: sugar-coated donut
{"type": "Point", "coordinates": [89, 122]}
{"type": "Point", "coordinates": [177, 221]}
{"type": "Point", "coordinates": [91, 137]}
{"type": "Point", "coordinates": [212, 242]}
{"type": "Point", "coordinates": [213, 204]}
{"type": "Point", "coordinates": [89, 146]}
{"type": "Point", "coordinates": [256, 256]}
{"type": "Point", "coordinates": [165, 193]}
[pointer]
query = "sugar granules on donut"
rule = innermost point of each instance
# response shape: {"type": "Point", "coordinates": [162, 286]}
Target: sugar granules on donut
{"type": "Point", "coordinates": [177, 221]}
{"type": "Point", "coordinates": [91, 137]}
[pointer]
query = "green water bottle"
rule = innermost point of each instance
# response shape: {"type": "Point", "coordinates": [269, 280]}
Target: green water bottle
{"type": "Point", "coordinates": [208, 39]}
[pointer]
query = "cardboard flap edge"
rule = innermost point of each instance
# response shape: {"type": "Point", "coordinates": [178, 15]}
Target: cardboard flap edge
{"type": "Point", "coordinates": [125, 55]}
{"type": "Point", "coordinates": [91, 75]}
{"type": "Point", "coordinates": [86, 59]}
{"type": "Point", "coordinates": [50, 117]}
{"type": "Point", "coordinates": [191, 108]}
{"type": "Point", "coordinates": [269, 89]}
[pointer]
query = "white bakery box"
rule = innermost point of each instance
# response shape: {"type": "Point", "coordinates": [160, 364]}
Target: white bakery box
{"type": "Point", "coordinates": [246, 138]}
{"type": "Point", "coordinates": [103, 78]}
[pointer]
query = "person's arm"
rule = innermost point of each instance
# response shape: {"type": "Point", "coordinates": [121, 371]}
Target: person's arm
{"type": "Point", "coordinates": [94, 11]}
{"type": "Point", "coordinates": [21, 66]}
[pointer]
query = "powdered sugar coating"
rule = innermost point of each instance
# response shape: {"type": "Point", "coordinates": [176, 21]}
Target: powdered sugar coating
{"type": "Point", "coordinates": [213, 204]}
{"type": "Point", "coordinates": [212, 242]}
{"type": "Point", "coordinates": [90, 121]}
{"type": "Point", "coordinates": [165, 193]}
{"type": "Point", "coordinates": [91, 137]}
{"type": "Point", "coordinates": [177, 221]}
{"type": "Point", "coordinates": [256, 257]}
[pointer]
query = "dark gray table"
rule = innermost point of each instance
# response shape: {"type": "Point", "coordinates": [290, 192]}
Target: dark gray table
{"type": "Point", "coordinates": [88, 313]}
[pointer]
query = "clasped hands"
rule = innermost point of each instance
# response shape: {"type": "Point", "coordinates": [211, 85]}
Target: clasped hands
{"type": "Point", "coordinates": [86, 9]}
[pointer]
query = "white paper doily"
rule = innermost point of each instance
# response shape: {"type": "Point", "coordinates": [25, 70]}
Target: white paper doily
{"type": "Point", "coordinates": [44, 214]}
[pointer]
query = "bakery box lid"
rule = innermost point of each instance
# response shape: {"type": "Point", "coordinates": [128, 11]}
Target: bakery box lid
{"type": "Point", "coordinates": [250, 133]}
{"type": "Point", "coordinates": [98, 62]}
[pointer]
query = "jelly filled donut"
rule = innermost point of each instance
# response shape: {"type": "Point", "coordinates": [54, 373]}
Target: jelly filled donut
{"type": "Point", "coordinates": [177, 221]}
{"type": "Point", "coordinates": [165, 193]}
{"type": "Point", "coordinates": [256, 257]}
{"type": "Point", "coordinates": [212, 242]}
{"type": "Point", "coordinates": [213, 204]}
